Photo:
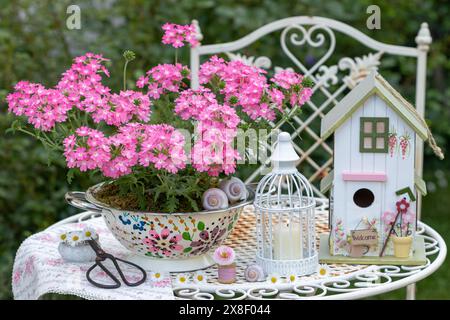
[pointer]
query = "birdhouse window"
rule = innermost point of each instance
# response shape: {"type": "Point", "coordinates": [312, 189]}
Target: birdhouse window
{"type": "Point", "coordinates": [374, 135]}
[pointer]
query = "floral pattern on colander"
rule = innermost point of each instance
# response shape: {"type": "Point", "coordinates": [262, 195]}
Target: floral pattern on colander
{"type": "Point", "coordinates": [171, 236]}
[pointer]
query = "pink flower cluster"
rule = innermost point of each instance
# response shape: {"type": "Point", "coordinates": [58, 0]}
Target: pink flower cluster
{"type": "Point", "coordinates": [87, 149]}
{"type": "Point", "coordinates": [43, 107]}
{"type": "Point", "coordinates": [292, 81]}
{"type": "Point", "coordinates": [243, 83]}
{"type": "Point", "coordinates": [247, 87]}
{"type": "Point", "coordinates": [162, 79]}
{"type": "Point", "coordinates": [286, 79]}
{"type": "Point", "coordinates": [177, 35]}
{"type": "Point", "coordinates": [122, 108]}
{"type": "Point", "coordinates": [213, 151]}
{"type": "Point", "coordinates": [226, 88]}
{"type": "Point", "coordinates": [82, 82]}
{"type": "Point", "coordinates": [134, 144]}
{"type": "Point", "coordinates": [82, 85]}
{"type": "Point", "coordinates": [79, 87]}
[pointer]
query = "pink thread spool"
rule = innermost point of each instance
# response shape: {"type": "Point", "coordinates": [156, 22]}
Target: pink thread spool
{"type": "Point", "coordinates": [227, 274]}
{"type": "Point", "coordinates": [224, 257]}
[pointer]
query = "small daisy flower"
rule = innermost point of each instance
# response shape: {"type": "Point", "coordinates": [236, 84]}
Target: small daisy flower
{"type": "Point", "coordinates": [74, 238]}
{"type": "Point", "coordinates": [89, 234]}
{"type": "Point", "coordinates": [63, 237]}
{"type": "Point", "coordinates": [273, 278]}
{"type": "Point", "coordinates": [200, 277]}
{"type": "Point", "coordinates": [323, 270]}
{"type": "Point", "coordinates": [156, 276]}
{"type": "Point", "coordinates": [292, 278]}
{"type": "Point", "coordinates": [182, 278]}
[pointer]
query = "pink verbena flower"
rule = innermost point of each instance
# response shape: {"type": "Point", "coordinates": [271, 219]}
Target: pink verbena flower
{"type": "Point", "coordinates": [243, 85]}
{"type": "Point", "coordinates": [286, 79]}
{"type": "Point", "coordinates": [216, 126]}
{"type": "Point", "coordinates": [162, 146]}
{"type": "Point", "coordinates": [87, 149]}
{"type": "Point", "coordinates": [163, 78]}
{"type": "Point", "coordinates": [213, 150]}
{"type": "Point", "coordinates": [123, 152]}
{"type": "Point", "coordinates": [42, 107]}
{"type": "Point", "coordinates": [214, 66]}
{"type": "Point", "coordinates": [301, 97]}
{"type": "Point", "coordinates": [201, 104]}
{"type": "Point", "coordinates": [177, 35]}
{"type": "Point", "coordinates": [135, 144]}
{"type": "Point", "coordinates": [81, 84]}
{"type": "Point", "coordinates": [277, 97]}
{"type": "Point", "coordinates": [291, 85]}
{"type": "Point", "coordinates": [192, 102]}
{"type": "Point", "coordinates": [122, 108]}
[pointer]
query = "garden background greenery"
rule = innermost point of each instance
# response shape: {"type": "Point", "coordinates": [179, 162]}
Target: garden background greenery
{"type": "Point", "coordinates": [36, 45]}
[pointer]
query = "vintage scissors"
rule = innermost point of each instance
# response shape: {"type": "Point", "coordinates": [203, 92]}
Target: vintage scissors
{"type": "Point", "coordinates": [102, 256]}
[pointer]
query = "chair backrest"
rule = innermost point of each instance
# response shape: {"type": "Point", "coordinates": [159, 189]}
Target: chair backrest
{"type": "Point", "coordinates": [317, 32]}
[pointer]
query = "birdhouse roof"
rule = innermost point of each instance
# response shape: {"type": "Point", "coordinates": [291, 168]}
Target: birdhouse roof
{"type": "Point", "coordinates": [373, 84]}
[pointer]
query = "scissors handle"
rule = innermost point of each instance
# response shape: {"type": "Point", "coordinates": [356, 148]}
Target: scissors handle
{"type": "Point", "coordinates": [101, 285]}
{"type": "Point", "coordinates": [102, 256]}
{"type": "Point", "coordinates": [119, 270]}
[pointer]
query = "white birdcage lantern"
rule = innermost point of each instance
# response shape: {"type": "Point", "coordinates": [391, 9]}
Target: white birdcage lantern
{"type": "Point", "coordinates": [284, 207]}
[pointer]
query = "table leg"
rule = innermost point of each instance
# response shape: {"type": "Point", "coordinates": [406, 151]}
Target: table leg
{"type": "Point", "coordinates": [411, 292]}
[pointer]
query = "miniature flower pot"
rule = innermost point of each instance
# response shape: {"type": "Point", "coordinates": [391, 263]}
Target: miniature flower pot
{"type": "Point", "coordinates": [402, 246]}
{"type": "Point", "coordinates": [227, 273]}
{"type": "Point", "coordinates": [174, 242]}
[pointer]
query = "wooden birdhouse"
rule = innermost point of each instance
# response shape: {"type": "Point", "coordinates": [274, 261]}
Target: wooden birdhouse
{"type": "Point", "coordinates": [373, 186]}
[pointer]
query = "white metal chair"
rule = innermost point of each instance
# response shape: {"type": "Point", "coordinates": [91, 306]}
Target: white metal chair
{"type": "Point", "coordinates": [317, 32]}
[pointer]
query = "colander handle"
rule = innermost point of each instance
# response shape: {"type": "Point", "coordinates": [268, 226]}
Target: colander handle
{"type": "Point", "coordinates": [78, 200]}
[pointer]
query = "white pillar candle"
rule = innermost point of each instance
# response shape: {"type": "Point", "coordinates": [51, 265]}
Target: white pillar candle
{"type": "Point", "coordinates": [287, 244]}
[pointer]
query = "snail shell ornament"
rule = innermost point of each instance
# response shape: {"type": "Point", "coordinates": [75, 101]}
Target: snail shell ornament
{"type": "Point", "coordinates": [254, 273]}
{"type": "Point", "coordinates": [214, 199]}
{"type": "Point", "coordinates": [234, 188]}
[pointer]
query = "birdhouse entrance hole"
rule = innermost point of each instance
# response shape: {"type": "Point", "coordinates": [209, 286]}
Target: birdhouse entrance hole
{"type": "Point", "coordinates": [363, 198]}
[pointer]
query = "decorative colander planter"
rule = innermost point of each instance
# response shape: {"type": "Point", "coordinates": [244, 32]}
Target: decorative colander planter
{"type": "Point", "coordinates": [163, 241]}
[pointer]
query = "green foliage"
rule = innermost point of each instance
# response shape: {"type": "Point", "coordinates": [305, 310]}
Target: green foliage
{"type": "Point", "coordinates": [160, 191]}
{"type": "Point", "coordinates": [35, 45]}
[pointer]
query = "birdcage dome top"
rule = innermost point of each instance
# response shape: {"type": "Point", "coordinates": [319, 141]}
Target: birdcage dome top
{"type": "Point", "coordinates": [284, 188]}
{"type": "Point", "coordinates": [284, 158]}
{"type": "Point", "coordinates": [284, 192]}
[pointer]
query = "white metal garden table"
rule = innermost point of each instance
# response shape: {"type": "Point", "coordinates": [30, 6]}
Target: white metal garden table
{"type": "Point", "coordinates": [343, 281]}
